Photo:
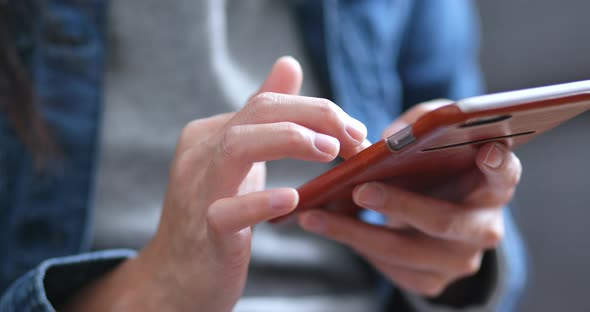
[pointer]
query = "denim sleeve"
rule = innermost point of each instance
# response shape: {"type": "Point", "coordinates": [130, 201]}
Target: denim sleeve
{"type": "Point", "coordinates": [52, 282]}
{"type": "Point", "coordinates": [439, 57]}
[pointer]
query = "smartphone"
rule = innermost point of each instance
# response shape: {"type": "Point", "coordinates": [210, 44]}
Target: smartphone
{"type": "Point", "coordinates": [443, 143]}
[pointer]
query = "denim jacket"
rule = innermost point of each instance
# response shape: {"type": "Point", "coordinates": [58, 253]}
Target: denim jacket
{"type": "Point", "coordinates": [378, 57]}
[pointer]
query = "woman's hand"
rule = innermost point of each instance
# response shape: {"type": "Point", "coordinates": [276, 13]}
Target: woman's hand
{"type": "Point", "coordinates": [199, 256]}
{"type": "Point", "coordinates": [429, 240]}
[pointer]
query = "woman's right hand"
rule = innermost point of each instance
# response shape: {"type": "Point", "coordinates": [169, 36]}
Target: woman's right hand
{"type": "Point", "coordinates": [199, 256]}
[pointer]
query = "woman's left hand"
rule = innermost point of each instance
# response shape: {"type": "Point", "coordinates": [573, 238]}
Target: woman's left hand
{"type": "Point", "coordinates": [427, 243]}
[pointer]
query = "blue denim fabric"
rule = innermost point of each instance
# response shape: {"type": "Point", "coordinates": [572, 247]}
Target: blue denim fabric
{"type": "Point", "coordinates": [516, 265]}
{"type": "Point", "coordinates": [381, 57]}
{"type": "Point", "coordinates": [44, 213]}
{"type": "Point", "coordinates": [377, 56]}
{"type": "Point", "coordinates": [49, 284]}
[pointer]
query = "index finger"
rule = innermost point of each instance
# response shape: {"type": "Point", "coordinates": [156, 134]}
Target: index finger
{"type": "Point", "coordinates": [233, 214]}
{"type": "Point", "coordinates": [318, 114]}
{"type": "Point", "coordinates": [479, 227]}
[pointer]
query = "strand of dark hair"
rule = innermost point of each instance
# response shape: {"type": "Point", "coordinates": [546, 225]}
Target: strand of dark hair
{"type": "Point", "coordinates": [17, 99]}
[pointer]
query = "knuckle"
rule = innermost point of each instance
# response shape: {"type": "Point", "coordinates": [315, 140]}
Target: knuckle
{"type": "Point", "coordinates": [428, 106]}
{"type": "Point", "coordinates": [212, 221]}
{"type": "Point", "coordinates": [470, 265]}
{"type": "Point", "coordinates": [326, 106]}
{"type": "Point", "coordinates": [254, 109]}
{"type": "Point", "coordinates": [431, 287]}
{"type": "Point", "coordinates": [183, 166]}
{"type": "Point", "coordinates": [263, 99]}
{"type": "Point", "coordinates": [188, 132]}
{"type": "Point", "coordinates": [433, 291]}
{"type": "Point", "coordinates": [293, 133]}
{"type": "Point", "coordinates": [445, 227]}
{"type": "Point", "coordinates": [227, 147]}
{"type": "Point", "coordinates": [513, 179]}
{"type": "Point", "coordinates": [419, 282]}
{"type": "Point", "coordinates": [328, 109]}
{"type": "Point", "coordinates": [516, 172]}
{"type": "Point", "coordinates": [494, 233]}
{"type": "Point", "coordinates": [506, 196]}
{"type": "Point", "coordinates": [189, 127]}
{"type": "Point", "coordinates": [423, 107]}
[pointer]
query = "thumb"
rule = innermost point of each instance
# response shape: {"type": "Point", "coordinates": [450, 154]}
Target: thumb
{"type": "Point", "coordinates": [285, 77]}
{"type": "Point", "coordinates": [413, 114]}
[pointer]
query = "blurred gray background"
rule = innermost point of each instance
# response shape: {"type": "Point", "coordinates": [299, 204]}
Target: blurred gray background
{"type": "Point", "coordinates": [534, 43]}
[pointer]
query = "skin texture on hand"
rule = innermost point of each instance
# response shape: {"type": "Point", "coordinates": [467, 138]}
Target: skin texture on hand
{"type": "Point", "coordinates": [199, 256]}
{"type": "Point", "coordinates": [429, 240]}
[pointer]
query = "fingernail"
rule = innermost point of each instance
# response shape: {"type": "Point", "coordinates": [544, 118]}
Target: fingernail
{"type": "Point", "coordinates": [282, 199]}
{"type": "Point", "coordinates": [314, 222]}
{"type": "Point", "coordinates": [370, 195]}
{"type": "Point", "coordinates": [326, 144]}
{"type": "Point", "coordinates": [495, 157]}
{"type": "Point", "coordinates": [356, 130]}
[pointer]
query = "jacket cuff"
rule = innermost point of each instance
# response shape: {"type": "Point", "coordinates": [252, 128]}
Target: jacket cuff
{"type": "Point", "coordinates": [491, 283]}
{"type": "Point", "coordinates": [50, 284]}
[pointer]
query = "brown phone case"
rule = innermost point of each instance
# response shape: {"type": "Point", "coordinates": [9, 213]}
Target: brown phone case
{"type": "Point", "coordinates": [438, 146]}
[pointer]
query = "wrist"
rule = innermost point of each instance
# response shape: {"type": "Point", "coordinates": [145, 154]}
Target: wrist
{"type": "Point", "coordinates": [113, 291]}
{"type": "Point", "coordinates": [179, 283]}
{"type": "Point", "coordinates": [132, 285]}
